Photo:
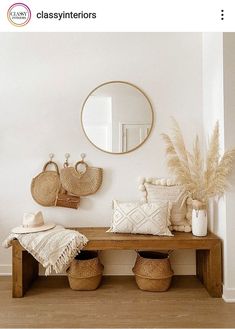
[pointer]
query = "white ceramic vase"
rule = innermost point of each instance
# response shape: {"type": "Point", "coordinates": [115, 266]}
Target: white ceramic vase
{"type": "Point", "coordinates": [199, 222]}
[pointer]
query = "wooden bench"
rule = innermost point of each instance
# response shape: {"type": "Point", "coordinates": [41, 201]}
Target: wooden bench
{"type": "Point", "coordinates": [208, 255]}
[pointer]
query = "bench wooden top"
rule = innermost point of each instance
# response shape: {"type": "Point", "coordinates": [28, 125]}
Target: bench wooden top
{"type": "Point", "coordinates": [99, 239]}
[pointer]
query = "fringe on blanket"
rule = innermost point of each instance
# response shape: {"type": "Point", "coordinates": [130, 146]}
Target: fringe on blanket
{"type": "Point", "coordinates": [71, 250]}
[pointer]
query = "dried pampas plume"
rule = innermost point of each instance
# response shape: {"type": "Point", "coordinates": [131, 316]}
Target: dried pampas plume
{"type": "Point", "coordinates": [202, 177]}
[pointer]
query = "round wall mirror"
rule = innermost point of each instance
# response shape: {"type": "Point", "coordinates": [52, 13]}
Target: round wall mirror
{"type": "Point", "coordinates": [117, 117]}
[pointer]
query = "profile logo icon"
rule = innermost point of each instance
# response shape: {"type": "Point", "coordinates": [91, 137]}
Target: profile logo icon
{"type": "Point", "coordinates": [19, 14]}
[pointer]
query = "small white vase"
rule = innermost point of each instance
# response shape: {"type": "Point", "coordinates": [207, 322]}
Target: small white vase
{"type": "Point", "coordinates": [199, 222]}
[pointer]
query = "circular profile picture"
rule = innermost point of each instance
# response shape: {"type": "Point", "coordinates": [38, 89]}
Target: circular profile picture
{"type": "Point", "coordinates": [19, 14]}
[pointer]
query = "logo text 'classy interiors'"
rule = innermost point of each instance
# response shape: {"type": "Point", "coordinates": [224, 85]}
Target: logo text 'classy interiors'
{"type": "Point", "coordinates": [19, 14]}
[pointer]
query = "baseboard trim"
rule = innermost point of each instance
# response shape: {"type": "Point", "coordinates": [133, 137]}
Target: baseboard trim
{"type": "Point", "coordinates": [115, 269]}
{"type": "Point", "coordinates": [5, 269]}
{"type": "Point", "coordinates": [228, 295]}
{"type": "Point", "coordinates": [184, 269]}
{"type": "Point", "coordinates": [126, 269]}
{"type": "Point", "coordinates": [118, 269]}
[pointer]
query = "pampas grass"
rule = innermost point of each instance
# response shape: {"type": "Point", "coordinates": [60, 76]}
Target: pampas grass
{"type": "Point", "coordinates": [202, 177]}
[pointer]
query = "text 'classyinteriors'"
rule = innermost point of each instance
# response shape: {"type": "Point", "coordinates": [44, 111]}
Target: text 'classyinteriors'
{"type": "Point", "coordinates": [65, 15]}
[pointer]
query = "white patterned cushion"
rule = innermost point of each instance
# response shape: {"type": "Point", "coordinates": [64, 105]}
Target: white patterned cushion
{"type": "Point", "coordinates": [147, 218]}
{"type": "Point", "coordinates": [155, 190]}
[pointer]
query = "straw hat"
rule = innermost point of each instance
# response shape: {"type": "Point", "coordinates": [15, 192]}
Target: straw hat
{"type": "Point", "coordinates": [33, 223]}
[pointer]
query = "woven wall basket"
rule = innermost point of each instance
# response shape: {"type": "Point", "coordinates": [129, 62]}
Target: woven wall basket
{"type": "Point", "coordinates": [153, 271]}
{"type": "Point", "coordinates": [85, 271]}
{"type": "Point", "coordinates": [46, 185]}
{"type": "Point", "coordinates": [81, 184]}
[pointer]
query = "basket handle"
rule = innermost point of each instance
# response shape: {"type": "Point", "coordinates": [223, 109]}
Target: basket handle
{"type": "Point", "coordinates": [51, 163]}
{"type": "Point", "coordinates": [81, 162]}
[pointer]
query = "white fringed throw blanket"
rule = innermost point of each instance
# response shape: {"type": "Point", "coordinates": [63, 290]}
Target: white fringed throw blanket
{"type": "Point", "coordinates": [54, 249]}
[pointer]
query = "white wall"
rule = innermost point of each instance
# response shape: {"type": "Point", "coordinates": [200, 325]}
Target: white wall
{"type": "Point", "coordinates": [229, 136]}
{"type": "Point", "coordinates": [213, 110]}
{"type": "Point", "coordinates": [219, 104]}
{"type": "Point", "coordinates": [44, 80]}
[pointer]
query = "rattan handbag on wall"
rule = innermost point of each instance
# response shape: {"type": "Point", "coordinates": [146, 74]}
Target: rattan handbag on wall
{"type": "Point", "coordinates": [46, 185]}
{"type": "Point", "coordinates": [81, 182]}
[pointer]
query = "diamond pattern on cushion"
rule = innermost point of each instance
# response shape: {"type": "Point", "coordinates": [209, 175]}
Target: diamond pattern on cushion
{"type": "Point", "coordinates": [118, 215]}
{"type": "Point", "coordinates": [137, 216]}
{"type": "Point", "coordinates": [147, 218]}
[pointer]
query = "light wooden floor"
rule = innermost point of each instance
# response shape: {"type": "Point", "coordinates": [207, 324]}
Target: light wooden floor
{"type": "Point", "coordinates": [116, 304]}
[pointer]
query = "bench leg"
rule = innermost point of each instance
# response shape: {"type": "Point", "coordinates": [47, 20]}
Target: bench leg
{"type": "Point", "coordinates": [24, 271]}
{"type": "Point", "coordinates": [209, 269]}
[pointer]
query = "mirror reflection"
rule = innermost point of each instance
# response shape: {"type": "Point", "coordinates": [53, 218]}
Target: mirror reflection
{"type": "Point", "coordinates": [117, 117]}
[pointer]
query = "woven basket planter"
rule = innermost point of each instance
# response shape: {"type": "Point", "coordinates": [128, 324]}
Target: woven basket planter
{"type": "Point", "coordinates": [153, 271]}
{"type": "Point", "coordinates": [85, 271]}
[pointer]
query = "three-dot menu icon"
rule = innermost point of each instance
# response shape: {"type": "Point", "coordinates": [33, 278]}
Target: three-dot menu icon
{"type": "Point", "coordinates": [222, 15]}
